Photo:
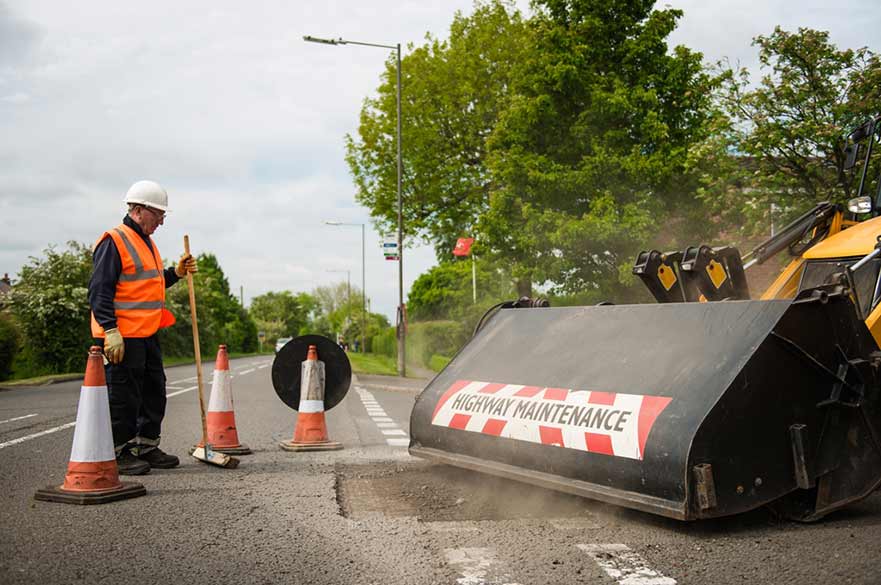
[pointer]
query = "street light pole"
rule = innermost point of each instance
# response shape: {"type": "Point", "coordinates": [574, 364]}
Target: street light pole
{"type": "Point", "coordinates": [363, 282]}
{"type": "Point", "coordinates": [402, 325]}
{"type": "Point", "coordinates": [348, 292]}
{"type": "Point", "coordinates": [401, 331]}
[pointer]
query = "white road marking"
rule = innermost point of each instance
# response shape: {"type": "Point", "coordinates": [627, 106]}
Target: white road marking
{"type": "Point", "coordinates": [73, 423]}
{"type": "Point", "coordinates": [261, 366]}
{"type": "Point", "coordinates": [475, 564]}
{"type": "Point", "coordinates": [182, 380]}
{"type": "Point", "coordinates": [35, 435]}
{"type": "Point", "coordinates": [17, 418]}
{"type": "Point", "coordinates": [624, 565]}
{"type": "Point", "coordinates": [243, 372]}
{"type": "Point", "coordinates": [190, 389]}
{"type": "Point", "coordinates": [388, 427]}
{"type": "Point", "coordinates": [391, 432]}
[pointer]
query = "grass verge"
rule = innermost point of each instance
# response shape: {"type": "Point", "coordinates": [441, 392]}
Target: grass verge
{"type": "Point", "coordinates": [373, 363]}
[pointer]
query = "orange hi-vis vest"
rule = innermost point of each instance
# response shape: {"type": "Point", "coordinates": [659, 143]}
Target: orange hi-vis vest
{"type": "Point", "coordinates": [140, 292]}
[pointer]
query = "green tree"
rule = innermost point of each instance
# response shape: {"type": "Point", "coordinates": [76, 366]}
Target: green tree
{"type": "Point", "coordinates": [444, 291]}
{"type": "Point", "coordinates": [588, 157]}
{"type": "Point", "coordinates": [221, 319]}
{"type": "Point", "coordinates": [278, 314]}
{"type": "Point", "coordinates": [789, 130]}
{"type": "Point", "coordinates": [340, 311]}
{"type": "Point", "coordinates": [9, 344]}
{"type": "Point", "coordinates": [452, 94]}
{"type": "Point", "coordinates": [50, 304]}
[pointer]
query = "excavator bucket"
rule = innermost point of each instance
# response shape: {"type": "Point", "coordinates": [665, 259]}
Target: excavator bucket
{"type": "Point", "coordinates": [687, 410]}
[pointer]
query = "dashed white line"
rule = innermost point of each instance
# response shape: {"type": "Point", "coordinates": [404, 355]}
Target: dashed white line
{"type": "Point", "coordinates": [35, 435]}
{"type": "Point", "coordinates": [73, 423]}
{"type": "Point", "coordinates": [624, 565]}
{"type": "Point", "coordinates": [389, 428]}
{"type": "Point", "coordinates": [243, 372]}
{"type": "Point", "coordinates": [17, 418]}
{"type": "Point", "coordinates": [191, 388]}
{"type": "Point", "coordinates": [390, 432]}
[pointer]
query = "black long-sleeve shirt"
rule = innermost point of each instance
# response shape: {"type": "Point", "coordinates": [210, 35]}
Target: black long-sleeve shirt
{"type": "Point", "coordinates": [105, 274]}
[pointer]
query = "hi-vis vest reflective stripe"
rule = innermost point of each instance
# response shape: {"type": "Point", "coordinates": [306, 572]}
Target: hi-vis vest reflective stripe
{"type": "Point", "coordinates": [140, 292]}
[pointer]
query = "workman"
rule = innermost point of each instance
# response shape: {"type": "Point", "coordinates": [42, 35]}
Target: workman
{"type": "Point", "coordinates": [127, 298]}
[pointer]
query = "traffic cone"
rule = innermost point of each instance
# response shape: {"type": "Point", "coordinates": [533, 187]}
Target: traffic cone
{"type": "Point", "coordinates": [221, 416]}
{"type": "Point", "coordinates": [92, 476]}
{"type": "Point", "coordinates": [310, 432]}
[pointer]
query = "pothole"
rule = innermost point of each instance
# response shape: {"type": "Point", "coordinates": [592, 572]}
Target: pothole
{"type": "Point", "coordinates": [438, 493]}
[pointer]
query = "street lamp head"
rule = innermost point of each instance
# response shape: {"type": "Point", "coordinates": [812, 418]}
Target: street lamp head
{"type": "Point", "coordinates": [332, 222]}
{"type": "Point", "coordinates": [311, 39]}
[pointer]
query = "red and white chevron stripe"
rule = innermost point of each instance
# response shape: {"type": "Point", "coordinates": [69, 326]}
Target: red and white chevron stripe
{"type": "Point", "coordinates": [597, 422]}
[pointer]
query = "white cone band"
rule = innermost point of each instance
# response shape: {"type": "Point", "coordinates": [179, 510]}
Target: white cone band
{"type": "Point", "coordinates": [93, 437]}
{"type": "Point", "coordinates": [309, 406]}
{"type": "Point", "coordinates": [221, 392]}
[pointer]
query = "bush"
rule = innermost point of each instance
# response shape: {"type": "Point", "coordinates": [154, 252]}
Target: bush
{"type": "Point", "coordinates": [9, 343]}
{"type": "Point", "coordinates": [438, 362]}
{"type": "Point", "coordinates": [428, 338]}
{"type": "Point", "coordinates": [50, 304]}
{"type": "Point", "coordinates": [384, 343]}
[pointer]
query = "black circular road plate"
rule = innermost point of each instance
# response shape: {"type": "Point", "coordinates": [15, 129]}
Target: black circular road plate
{"type": "Point", "coordinates": [288, 361]}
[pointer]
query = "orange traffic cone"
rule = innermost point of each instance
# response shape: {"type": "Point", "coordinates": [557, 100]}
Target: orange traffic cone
{"type": "Point", "coordinates": [221, 417]}
{"type": "Point", "coordinates": [310, 433]}
{"type": "Point", "coordinates": [92, 476]}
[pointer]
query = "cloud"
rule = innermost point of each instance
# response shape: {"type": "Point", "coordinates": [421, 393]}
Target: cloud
{"type": "Point", "coordinates": [242, 121]}
{"type": "Point", "coordinates": [726, 28]}
{"type": "Point", "coordinates": [18, 38]}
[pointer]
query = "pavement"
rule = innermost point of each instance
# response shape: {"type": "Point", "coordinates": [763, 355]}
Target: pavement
{"type": "Point", "coordinates": [369, 513]}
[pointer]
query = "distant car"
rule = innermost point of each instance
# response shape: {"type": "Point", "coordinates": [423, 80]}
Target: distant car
{"type": "Point", "coordinates": [280, 343]}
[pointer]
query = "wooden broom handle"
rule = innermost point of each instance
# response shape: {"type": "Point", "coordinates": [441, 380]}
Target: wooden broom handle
{"type": "Point", "coordinates": [196, 350]}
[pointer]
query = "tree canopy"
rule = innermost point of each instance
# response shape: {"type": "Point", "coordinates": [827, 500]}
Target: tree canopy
{"type": "Point", "coordinates": [788, 131]}
{"type": "Point", "coordinates": [279, 314]}
{"type": "Point", "coordinates": [588, 154]}
{"type": "Point", "coordinates": [453, 91]}
{"type": "Point", "coordinates": [556, 140]}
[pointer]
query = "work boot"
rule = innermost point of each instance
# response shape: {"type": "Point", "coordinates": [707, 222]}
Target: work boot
{"type": "Point", "coordinates": [128, 464]}
{"type": "Point", "coordinates": [159, 459]}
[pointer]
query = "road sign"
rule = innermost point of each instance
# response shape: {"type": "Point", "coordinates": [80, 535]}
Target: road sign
{"type": "Point", "coordinates": [390, 249]}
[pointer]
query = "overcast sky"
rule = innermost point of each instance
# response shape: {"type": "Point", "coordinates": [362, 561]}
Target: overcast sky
{"type": "Point", "coordinates": [243, 122]}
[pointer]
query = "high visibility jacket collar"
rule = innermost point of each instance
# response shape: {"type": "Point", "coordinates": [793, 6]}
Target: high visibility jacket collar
{"type": "Point", "coordinates": [140, 291]}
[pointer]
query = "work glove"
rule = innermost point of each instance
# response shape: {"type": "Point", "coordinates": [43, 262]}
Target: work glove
{"type": "Point", "coordinates": [186, 265]}
{"type": "Point", "coordinates": [114, 346]}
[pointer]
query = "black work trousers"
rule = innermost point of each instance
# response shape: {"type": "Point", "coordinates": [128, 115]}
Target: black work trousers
{"type": "Point", "coordinates": [137, 393]}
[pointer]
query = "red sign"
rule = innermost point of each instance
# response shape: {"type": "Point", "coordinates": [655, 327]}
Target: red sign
{"type": "Point", "coordinates": [608, 423]}
{"type": "Point", "coordinates": [463, 247]}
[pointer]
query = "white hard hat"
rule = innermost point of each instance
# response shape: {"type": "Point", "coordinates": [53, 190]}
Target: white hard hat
{"type": "Point", "coordinates": [148, 193]}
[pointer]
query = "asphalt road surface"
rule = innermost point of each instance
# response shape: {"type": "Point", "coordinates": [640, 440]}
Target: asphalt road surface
{"type": "Point", "coordinates": [369, 513]}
